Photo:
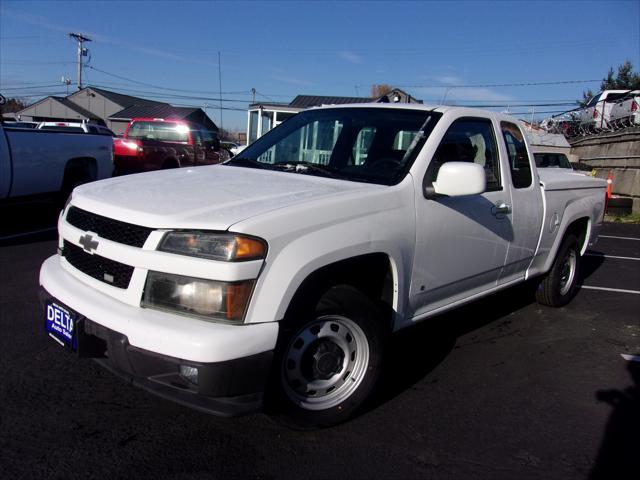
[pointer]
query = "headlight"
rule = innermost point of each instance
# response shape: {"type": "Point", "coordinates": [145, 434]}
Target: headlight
{"type": "Point", "coordinates": [215, 246]}
{"type": "Point", "coordinates": [196, 296]}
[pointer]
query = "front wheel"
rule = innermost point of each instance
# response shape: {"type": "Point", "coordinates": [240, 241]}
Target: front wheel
{"type": "Point", "coordinates": [329, 364]}
{"type": "Point", "coordinates": [561, 283]}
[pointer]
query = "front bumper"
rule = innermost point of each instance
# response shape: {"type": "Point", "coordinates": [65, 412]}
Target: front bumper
{"type": "Point", "coordinates": [147, 347]}
{"type": "Point", "coordinates": [228, 388]}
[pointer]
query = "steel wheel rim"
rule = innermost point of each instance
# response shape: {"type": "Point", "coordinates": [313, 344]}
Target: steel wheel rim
{"type": "Point", "coordinates": [339, 334]}
{"type": "Point", "coordinates": [568, 272]}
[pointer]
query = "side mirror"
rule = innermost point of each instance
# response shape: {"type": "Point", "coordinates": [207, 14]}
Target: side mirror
{"type": "Point", "coordinates": [456, 179]}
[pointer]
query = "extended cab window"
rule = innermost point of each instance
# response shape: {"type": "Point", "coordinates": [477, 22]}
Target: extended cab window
{"type": "Point", "coordinates": [470, 140]}
{"type": "Point", "coordinates": [518, 157]}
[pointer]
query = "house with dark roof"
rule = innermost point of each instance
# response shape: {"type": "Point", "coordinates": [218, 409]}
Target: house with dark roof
{"type": "Point", "coordinates": [112, 109]}
{"type": "Point", "coordinates": [262, 117]}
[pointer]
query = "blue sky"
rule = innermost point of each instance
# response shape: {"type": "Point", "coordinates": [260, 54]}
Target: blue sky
{"type": "Point", "coordinates": [456, 51]}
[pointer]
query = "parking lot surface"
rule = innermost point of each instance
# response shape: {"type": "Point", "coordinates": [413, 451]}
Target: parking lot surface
{"type": "Point", "coordinates": [500, 389]}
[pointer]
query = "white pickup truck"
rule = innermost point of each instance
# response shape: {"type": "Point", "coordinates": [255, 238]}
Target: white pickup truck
{"type": "Point", "coordinates": [277, 278]}
{"type": "Point", "coordinates": [34, 162]}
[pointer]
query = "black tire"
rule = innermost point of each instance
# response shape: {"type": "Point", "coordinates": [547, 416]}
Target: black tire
{"type": "Point", "coordinates": [73, 178]}
{"type": "Point", "coordinates": [328, 361]}
{"type": "Point", "coordinates": [561, 282]}
{"type": "Point", "coordinates": [170, 163]}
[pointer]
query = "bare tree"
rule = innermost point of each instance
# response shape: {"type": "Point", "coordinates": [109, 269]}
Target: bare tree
{"type": "Point", "coordinates": [378, 90]}
{"type": "Point", "coordinates": [13, 105]}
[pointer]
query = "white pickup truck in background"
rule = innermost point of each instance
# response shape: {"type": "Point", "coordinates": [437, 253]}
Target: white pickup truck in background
{"type": "Point", "coordinates": [41, 162]}
{"type": "Point", "coordinates": [277, 278]}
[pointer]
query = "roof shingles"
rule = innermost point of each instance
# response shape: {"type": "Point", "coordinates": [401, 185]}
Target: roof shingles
{"type": "Point", "coordinates": [306, 101]}
{"type": "Point", "coordinates": [162, 110]}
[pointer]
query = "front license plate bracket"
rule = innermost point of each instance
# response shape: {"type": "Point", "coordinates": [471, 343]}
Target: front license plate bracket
{"type": "Point", "coordinates": [62, 324]}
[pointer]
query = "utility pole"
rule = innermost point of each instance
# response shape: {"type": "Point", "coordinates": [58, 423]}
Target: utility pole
{"type": "Point", "coordinates": [81, 52]}
{"type": "Point", "coordinates": [220, 89]}
{"type": "Point", "coordinates": [253, 93]}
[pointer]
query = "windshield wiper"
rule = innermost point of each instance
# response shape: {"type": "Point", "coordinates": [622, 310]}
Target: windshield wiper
{"type": "Point", "coordinates": [307, 167]}
{"type": "Point", "coordinates": [245, 162]}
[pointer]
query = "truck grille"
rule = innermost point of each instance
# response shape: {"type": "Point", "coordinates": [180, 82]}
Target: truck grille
{"type": "Point", "coordinates": [108, 271]}
{"type": "Point", "coordinates": [108, 228]}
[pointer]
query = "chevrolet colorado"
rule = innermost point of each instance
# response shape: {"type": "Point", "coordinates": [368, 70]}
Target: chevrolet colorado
{"type": "Point", "coordinates": [278, 277]}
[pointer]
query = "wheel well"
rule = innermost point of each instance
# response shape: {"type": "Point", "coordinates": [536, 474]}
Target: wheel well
{"type": "Point", "coordinates": [80, 168]}
{"type": "Point", "coordinates": [371, 274]}
{"type": "Point", "coordinates": [170, 163]}
{"type": "Point", "coordinates": [579, 228]}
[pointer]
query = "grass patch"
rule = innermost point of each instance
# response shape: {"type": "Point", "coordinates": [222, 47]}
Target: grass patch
{"type": "Point", "coordinates": [630, 218]}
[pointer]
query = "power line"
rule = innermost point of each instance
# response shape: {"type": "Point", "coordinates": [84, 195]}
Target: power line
{"type": "Point", "coordinates": [516, 104]}
{"type": "Point", "coordinates": [145, 84]}
{"type": "Point", "coordinates": [42, 94]}
{"type": "Point", "coordinates": [237, 92]}
{"type": "Point", "coordinates": [125, 78]}
{"type": "Point", "coordinates": [34, 63]}
{"type": "Point", "coordinates": [32, 87]}
{"type": "Point", "coordinates": [173, 95]}
{"type": "Point", "coordinates": [492, 85]}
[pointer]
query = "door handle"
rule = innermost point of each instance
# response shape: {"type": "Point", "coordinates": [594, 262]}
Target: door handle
{"type": "Point", "coordinates": [501, 209]}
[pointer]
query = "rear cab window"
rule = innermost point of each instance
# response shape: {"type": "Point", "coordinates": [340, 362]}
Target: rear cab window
{"type": "Point", "coordinates": [161, 131]}
{"type": "Point", "coordinates": [547, 160]}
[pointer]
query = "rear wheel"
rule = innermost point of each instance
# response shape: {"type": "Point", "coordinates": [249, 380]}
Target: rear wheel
{"type": "Point", "coordinates": [170, 163]}
{"type": "Point", "coordinates": [73, 177]}
{"type": "Point", "coordinates": [328, 364]}
{"type": "Point", "coordinates": [560, 284]}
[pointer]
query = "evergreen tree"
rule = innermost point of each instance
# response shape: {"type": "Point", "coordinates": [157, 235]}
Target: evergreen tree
{"type": "Point", "coordinates": [626, 79]}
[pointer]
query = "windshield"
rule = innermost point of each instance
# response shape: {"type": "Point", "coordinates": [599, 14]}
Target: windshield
{"type": "Point", "coordinates": [162, 131]}
{"type": "Point", "coordinates": [375, 145]}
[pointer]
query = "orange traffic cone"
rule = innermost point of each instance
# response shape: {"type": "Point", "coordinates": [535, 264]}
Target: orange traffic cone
{"type": "Point", "coordinates": [610, 185]}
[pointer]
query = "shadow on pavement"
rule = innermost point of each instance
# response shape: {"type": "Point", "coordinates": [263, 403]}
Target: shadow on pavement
{"type": "Point", "coordinates": [28, 222]}
{"type": "Point", "coordinates": [619, 455]}
{"type": "Point", "coordinates": [590, 264]}
{"type": "Point", "coordinates": [417, 350]}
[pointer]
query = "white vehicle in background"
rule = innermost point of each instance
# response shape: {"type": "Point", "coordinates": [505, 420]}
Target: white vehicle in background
{"type": "Point", "coordinates": [596, 115]}
{"type": "Point", "coordinates": [280, 275]}
{"type": "Point", "coordinates": [626, 111]}
{"type": "Point", "coordinates": [233, 147]}
{"type": "Point", "coordinates": [76, 127]}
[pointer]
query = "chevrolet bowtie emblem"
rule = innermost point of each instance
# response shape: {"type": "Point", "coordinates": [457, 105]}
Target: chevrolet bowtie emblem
{"type": "Point", "coordinates": [88, 243]}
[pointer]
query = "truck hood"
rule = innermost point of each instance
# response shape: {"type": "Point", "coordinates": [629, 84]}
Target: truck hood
{"type": "Point", "coordinates": [210, 197]}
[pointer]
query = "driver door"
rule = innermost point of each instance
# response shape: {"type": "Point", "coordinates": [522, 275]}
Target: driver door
{"type": "Point", "coordinates": [461, 242]}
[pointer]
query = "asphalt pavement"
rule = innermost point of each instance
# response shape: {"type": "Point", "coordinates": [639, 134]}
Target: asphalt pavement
{"type": "Point", "coordinates": [500, 389]}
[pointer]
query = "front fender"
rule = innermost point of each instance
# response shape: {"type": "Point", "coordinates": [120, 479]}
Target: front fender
{"type": "Point", "coordinates": [387, 228]}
